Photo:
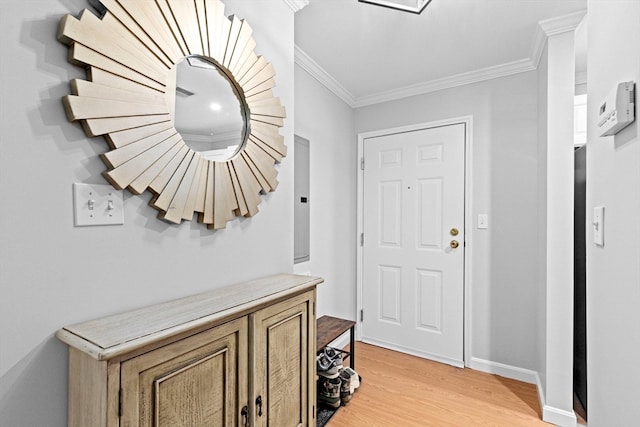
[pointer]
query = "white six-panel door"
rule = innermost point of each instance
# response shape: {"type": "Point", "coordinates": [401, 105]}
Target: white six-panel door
{"type": "Point", "coordinates": [413, 251]}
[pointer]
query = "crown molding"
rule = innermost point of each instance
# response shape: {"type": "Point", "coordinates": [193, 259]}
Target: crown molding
{"type": "Point", "coordinates": [296, 5]}
{"type": "Point", "coordinates": [552, 27]}
{"type": "Point", "coordinates": [316, 71]}
{"type": "Point", "coordinates": [462, 79]}
{"type": "Point", "coordinates": [544, 29]}
{"type": "Point", "coordinates": [562, 24]}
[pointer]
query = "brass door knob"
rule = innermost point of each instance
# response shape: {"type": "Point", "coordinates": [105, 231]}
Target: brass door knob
{"type": "Point", "coordinates": [454, 232]}
{"type": "Point", "coordinates": [454, 244]}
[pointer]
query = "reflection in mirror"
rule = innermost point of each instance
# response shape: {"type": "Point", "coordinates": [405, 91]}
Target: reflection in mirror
{"type": "Point", "coordinates": [209, 112]}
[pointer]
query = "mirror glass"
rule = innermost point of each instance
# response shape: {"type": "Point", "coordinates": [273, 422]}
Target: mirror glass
{"type": "Point", "coordinates": [210, 113]}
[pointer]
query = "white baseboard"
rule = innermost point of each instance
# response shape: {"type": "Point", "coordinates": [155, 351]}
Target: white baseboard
{"type": "Point", "coordinates": [559, 417]}
{"type": "Point", "coordinates": [402, 349]}
{"type": "Point", "coordinates": [507, 371]}
{"type": "Point", "coordinates": [554, 415]}
{"type": "Point", "coordinates": [550, 414]}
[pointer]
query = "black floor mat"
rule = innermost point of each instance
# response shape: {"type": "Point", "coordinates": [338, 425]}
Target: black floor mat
{"type": "Point", "coordinates": [324, 415]}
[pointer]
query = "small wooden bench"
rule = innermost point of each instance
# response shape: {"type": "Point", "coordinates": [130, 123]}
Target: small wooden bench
{"type": "Point", "coordinates": [330, 328]}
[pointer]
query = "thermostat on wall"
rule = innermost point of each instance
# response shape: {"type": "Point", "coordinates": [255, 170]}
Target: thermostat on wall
{"type": "Point", "coordinates": [617, 110]}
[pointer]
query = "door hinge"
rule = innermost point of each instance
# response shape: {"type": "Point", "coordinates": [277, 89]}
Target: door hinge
{"type": "Point", "coordinates": [119, 402]}
{"type": "Point", "coordinates": [362, 315]}
{"type": "Point", "coordinates": [361, 163]}
{"type": "Point", "coordinates": [314, 308]}
{"type": "Point", "coordinates": [361, 239]}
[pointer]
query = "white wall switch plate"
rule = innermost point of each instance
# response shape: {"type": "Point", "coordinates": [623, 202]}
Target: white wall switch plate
{"type": "Point", "coordinates": [97, 204]}
{"type": "Point", "coordinates": [483, 221]}
{"type": "Point", "coordinates": [598, 225]}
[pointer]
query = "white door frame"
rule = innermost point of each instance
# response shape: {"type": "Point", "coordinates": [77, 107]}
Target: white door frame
{"type": "Point", "coordinates": [468, 218]}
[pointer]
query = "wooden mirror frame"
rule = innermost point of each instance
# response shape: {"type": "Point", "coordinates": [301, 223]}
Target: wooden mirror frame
{"type": "Point", "coordinates": [129, 54]}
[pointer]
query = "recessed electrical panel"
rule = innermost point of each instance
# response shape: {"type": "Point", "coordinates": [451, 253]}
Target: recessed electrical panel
{"type": "Point", "coordinates": [617, 110]}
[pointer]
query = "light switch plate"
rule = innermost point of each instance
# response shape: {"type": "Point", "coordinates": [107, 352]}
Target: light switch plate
{"type": "Point", "coordinates": [598, 225]}
{"type": "Point", "coordinates": [97, 204]}
{"type": "Point", "coordinates": [483, 221]}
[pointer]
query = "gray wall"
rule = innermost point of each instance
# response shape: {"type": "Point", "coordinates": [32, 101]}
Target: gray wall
{"type": "Point", "coordinates": [52, 274]}
{"type": "Point", "coordinates": [327, 123]}
{"type": "Point", "coordinates": [613, 181]}
{"type": "Point", "coordinates": [541, 350]}
{"type": "Point", "coordinates": [503, 282]}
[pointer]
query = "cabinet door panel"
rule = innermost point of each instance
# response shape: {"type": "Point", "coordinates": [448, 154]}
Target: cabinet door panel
{"type": "Point", "coordinates": [196, 382]}
{"type": "Point", "coordinates": [282, 350]}
{"type": "Point", "coordinates": [203, 381]}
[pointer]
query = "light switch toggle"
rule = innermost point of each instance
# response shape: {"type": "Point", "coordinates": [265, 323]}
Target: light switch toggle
{"type": "Point", "coordinates": [97, 204]}
{"type": "Point", "coordinates": [598, 225]}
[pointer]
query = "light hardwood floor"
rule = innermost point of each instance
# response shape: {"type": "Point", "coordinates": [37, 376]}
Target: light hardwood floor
{"type": "Point", "coordinates": [402, 390]}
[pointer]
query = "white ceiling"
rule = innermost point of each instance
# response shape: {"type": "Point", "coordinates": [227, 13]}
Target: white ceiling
{"type": "Point", "coordinates": [371, 53]}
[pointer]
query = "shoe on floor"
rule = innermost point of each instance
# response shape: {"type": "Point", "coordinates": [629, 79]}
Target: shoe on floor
{"type": "Point", "coordinates": [354, 380]}
{"type": "Point", "coordinates": [329, 391]}
{"type": "Point", "coordinates": [345, 387]}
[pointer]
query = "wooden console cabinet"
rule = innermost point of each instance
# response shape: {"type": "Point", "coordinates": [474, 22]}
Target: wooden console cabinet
{"type": "Point", "coordinates": [243, 355]}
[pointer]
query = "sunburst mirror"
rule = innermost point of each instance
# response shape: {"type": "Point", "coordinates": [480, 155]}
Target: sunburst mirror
{"type": "Point", "coordinates": [154, 66]}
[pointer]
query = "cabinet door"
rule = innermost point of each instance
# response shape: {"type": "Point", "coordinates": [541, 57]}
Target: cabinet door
{"type": "Point", "coordinates": [283, 361]}
{"type": "Point", "coordinates": [196, 382]}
